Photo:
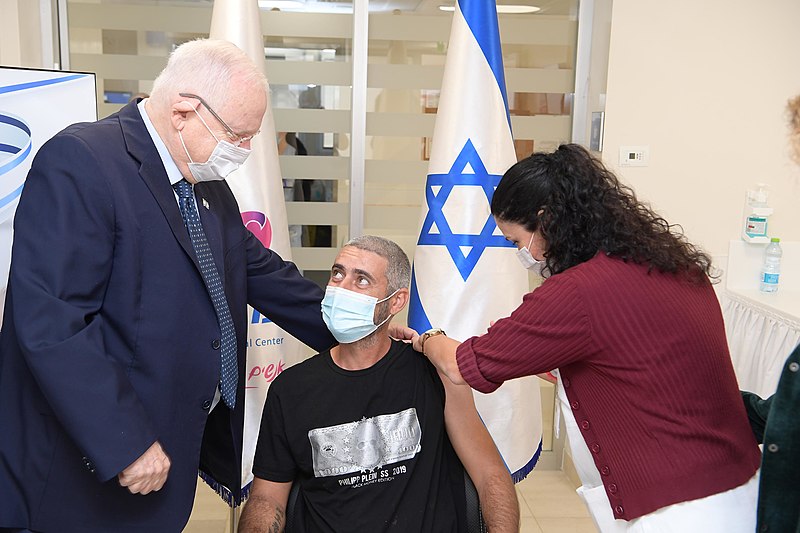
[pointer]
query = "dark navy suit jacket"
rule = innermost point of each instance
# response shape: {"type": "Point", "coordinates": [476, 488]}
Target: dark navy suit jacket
{"type": "Point", "coordinates": [109, 339]}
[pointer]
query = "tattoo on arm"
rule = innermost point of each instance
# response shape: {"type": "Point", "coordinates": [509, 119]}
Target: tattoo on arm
{"type": "Point", "coordinates": [278, 522]}
{"type": "Point", "coordinates": [262, 515]}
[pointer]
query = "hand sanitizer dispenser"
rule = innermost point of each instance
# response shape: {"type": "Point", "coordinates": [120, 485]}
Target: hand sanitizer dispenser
{"type": "Point", "coordinates": [756, 213]}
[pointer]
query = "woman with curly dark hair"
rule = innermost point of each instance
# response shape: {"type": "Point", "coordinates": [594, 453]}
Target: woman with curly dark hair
{"type": "Point", "coordinates": [628, 316]}
{"type": "Point", "coordinates": [587, 210]}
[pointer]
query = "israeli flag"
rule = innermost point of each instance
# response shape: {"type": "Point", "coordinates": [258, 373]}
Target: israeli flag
{"type": "Point", "coordinates": [465, 273]}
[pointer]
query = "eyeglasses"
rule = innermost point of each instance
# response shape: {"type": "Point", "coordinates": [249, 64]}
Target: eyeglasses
{"type": "Point", "coordinates": [235, 138]}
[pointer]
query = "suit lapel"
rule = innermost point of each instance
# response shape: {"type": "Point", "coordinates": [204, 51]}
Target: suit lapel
{"type": "Point", "coordinates": [141, 147]}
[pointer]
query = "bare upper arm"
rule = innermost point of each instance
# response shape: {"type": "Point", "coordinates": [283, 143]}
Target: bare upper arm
{"type": "Point", "coordinates": [468, 434]}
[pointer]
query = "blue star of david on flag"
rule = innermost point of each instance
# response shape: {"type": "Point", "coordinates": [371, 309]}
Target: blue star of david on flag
{"type": "Point", "coordinates": [436, 230]}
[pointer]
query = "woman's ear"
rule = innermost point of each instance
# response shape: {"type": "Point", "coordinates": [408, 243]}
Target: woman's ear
{"type": "Point", "coordinates": [542, 218]}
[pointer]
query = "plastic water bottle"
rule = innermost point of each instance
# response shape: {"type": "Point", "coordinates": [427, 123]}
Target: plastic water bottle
{"type": "Point", "coordinates": [771, 270]}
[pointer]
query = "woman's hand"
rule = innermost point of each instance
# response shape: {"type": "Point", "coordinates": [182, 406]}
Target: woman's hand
{"type": "Point", "coordinates": [441, 351]}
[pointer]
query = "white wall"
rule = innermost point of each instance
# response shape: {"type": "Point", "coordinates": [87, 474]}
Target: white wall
{"type": "Point", "coordinates": [705, 84]}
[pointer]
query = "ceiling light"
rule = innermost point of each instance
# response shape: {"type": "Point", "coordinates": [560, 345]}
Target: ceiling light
{"type": "Point", "coordinates": [503, 8]}
{"type": "Point", "coordinates": [280, 4]}
{"type": "Point", "coordinates": [516, 9]}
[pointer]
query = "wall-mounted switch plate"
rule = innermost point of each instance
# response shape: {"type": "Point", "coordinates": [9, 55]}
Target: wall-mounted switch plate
{"type": "Point", "coordinates": [634, 156]}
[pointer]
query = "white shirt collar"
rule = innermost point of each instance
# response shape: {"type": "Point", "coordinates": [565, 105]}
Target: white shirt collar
{"type": "Point", "coordinates": [169, 164]}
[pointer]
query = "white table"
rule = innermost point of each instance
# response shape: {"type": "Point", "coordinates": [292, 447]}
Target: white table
{"type": "Point", "coordinates": [760, 338]}
{"type": "Point", "coordinates": [762, 329]}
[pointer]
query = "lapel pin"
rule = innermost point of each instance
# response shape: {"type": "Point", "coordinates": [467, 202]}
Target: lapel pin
{"type": "Point", "coordinates": [205, 204]}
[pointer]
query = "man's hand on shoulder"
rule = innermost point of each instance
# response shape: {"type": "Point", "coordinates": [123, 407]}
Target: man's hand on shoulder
{"type": "Point", "coordinates": [148, 473]}
{"type": "Point", "coordinates": [402, 333]}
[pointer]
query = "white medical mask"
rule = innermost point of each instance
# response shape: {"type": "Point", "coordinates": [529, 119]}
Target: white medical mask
{"type": "Point", "coordinates": [349, 315]}
{"type": "Point", "coordinates": [223, 160]}
{"type": "Point", "coordinates": [528, 261]}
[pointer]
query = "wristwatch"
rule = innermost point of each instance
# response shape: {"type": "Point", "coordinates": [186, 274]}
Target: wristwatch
{"type": "Point", "coordinates": [428, 334]}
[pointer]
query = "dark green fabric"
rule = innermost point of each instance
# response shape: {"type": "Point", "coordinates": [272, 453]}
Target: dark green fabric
{"type": "Point", "coordinates": [757, 412]}
{"type": "Point", "coordinates": [776, 424]}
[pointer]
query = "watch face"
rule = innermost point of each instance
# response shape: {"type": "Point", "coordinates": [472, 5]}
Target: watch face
{"type": "Point", "coordinates": [431, 333]}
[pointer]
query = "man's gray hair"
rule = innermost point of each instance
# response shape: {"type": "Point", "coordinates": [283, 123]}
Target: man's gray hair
{"type": "Point", "coordinates": [206, 67]}
{"type": "Point", "coordinates": [398, 269]}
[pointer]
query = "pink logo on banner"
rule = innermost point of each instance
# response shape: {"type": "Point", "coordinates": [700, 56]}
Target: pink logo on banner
{"type": "Point", "coordinates": [258, 224]}
{"type": "Point", "coordinates": [267, 372]}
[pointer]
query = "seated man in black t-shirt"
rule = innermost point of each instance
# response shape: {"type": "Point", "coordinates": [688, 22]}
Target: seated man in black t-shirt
{"type": "Point", "coordinates": [375, 438]}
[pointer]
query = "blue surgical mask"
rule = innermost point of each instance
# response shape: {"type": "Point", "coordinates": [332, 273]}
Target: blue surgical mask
{"type": "Point", "coordinates": [349, 315]}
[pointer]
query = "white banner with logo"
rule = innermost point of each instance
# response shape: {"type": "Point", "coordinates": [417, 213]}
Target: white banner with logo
{"type": "Point", "coordinates": [258, 188]}
{"type": "Point", "coordinates": [34, 106]}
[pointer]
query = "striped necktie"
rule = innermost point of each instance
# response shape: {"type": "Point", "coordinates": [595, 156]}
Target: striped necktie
{"type": "Point", "coordinates": [228, 370]}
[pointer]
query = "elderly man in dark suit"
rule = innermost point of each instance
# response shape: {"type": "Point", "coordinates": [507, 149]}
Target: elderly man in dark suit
{"type": "Point", "coordinates": [123, 343]}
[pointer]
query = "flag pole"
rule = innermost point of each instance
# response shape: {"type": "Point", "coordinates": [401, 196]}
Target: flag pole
{"type": "Point", "coordinates": [358, 107]}
{"type": "Point", "coordinates": [234, 521]}
{"type": "Point", "coordinates": [462, 261]}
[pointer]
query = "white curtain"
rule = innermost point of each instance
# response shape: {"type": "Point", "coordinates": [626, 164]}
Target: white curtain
{"type": "Point", "coordinates": [760, 339]}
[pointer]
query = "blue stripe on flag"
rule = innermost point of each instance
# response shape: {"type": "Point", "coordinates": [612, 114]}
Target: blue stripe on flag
{"type": "Point", "coordinates": [417, 319]}
{"type": "Point", "coordinates": [39, 83]}
{"type": "Point", "coordinates": [481, 17]}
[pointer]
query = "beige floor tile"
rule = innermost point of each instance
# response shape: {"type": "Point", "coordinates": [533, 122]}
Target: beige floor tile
{"type": "Point", "coordinates": [553, 488]}
{"type": "Point", "coordinates": [524, 510]}
{"type": "Point", "coordinates": [550, 494]}
{"type": "Point", "coordinates": [550, 489]}
{"type": "Point", "coordinates": [566, 525]}
{"type": "Point", "coordinates": [528, 524]}
{"type": "Point", "coordinates": [556, 506]}
{"type": "Point", "coordinates": [206, 526]}
{"type": "Point", "coordinates": [546, 480]}
{"type": "Point", "coordinates": [210, 514]}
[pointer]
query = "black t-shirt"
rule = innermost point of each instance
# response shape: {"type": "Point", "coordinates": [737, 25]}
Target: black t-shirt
{"type": "Point", "coordinates": [368, 447]}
